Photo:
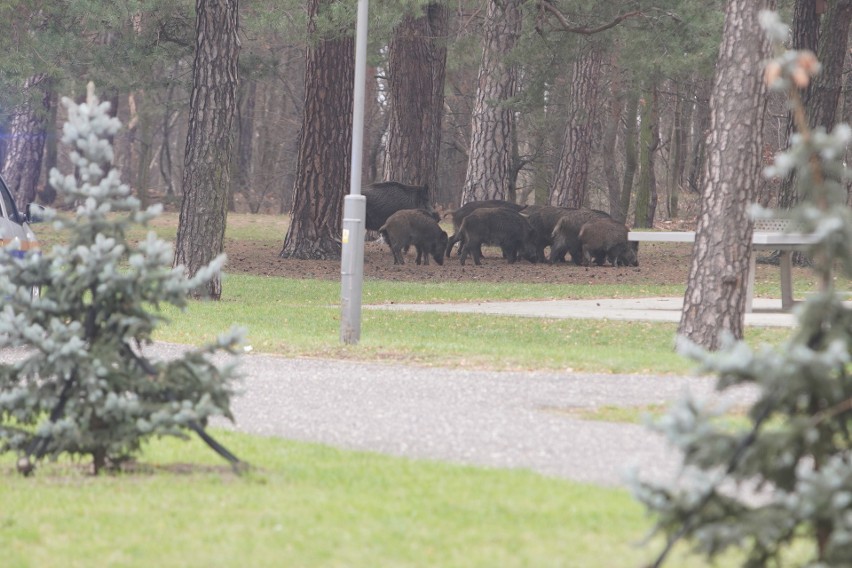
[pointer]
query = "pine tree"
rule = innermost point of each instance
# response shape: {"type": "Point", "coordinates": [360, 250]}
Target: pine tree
{"type": "Point", "coordinates": [82, 386]}
{"type": "Point", "coordinates": [785, 477]}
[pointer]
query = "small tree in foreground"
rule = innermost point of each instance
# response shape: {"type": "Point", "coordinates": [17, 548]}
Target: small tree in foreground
{"type": "Point", "coordinates": [82, 387]}
{"type": "Point", "coordinates": [786, 476]}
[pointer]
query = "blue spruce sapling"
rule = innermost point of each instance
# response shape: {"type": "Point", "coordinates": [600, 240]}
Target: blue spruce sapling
{"type": "Point", "coordinates": [81, 386]}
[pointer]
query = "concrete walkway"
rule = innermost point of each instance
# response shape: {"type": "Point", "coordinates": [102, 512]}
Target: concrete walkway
{"type": "Point", "coordinates": [767, 312]}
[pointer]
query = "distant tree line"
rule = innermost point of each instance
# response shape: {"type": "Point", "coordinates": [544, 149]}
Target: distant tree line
{"type": "Point", "coordinates": [600, 104]}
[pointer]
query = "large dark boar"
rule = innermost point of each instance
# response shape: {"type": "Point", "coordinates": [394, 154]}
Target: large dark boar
{"type": "Point", "coordinates": [543, 219]}
{"type": "Point", "coordinates": [459, 214]}
{"type": "Point", "coordinates": [387, 197]}
{"type": "Point", "coordinates": [566, 234]}
{"type": "Point", "coordinates": [414, 227]}
{"type": "Point", "coordinates": [498, 226]}
{"type": "Point", "coordinates": [606, 239]}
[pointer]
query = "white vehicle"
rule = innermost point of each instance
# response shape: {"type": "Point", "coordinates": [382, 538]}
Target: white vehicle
{"type": "Point", "coordinates": [14, 226]}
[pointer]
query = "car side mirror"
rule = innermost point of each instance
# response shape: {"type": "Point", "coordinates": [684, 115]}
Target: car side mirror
{"type": "Point", "coordinates": [35, 213]}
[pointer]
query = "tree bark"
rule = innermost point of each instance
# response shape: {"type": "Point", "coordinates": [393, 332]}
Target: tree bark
{"type": "Point", "coordinates": [716, 288]}
{"type": "Point", "coordinates": [51, 148]}
{"type": "Point", "coordinates": [608, 144]}
{"type": "Point", "coordinates": [649, 141]}
{"type": "Point", "coordinates": [828, 84]}
{"type": "Point", "coordinates": [806, 35]}
{"type": "Point", "coordinates": [27, 134]}
{"type": "Point", "coordinates": [166, 148]}
{"type": "Point", "coordinates": [417, 60]}
{"type": "Point", "coordinates": [681, 123]}
{"type": "Point", "coordinates": [325, 145]}
{"type": "Point", "coordinates": [701, 130]}
{"type": "Point", "coordinates": [570, 181]}
{"type": "Point", "coordinates": [206, 176]}
{"type": "Point", "coordinates": [631, 155]}
{"type": "Point", "coordinates": [243, 157]}
{"type": "Point", "coordinates": [492, 150]}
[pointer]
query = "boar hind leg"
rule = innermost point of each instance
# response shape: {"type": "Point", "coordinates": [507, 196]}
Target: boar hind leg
{"type": "Point", "coordinates": [397, 255]}
{"type": "Point", "coordinates": [476, 251]}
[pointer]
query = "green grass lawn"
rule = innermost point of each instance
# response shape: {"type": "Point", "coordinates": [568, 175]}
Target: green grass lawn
{"type": "Point", "coordinates": [302, 318]}
{"type": "Point", "coordinates": [308, 505]}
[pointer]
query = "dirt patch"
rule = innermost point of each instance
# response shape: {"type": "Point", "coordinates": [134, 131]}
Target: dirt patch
{"type": "Point", "coordinates": [659, 263]}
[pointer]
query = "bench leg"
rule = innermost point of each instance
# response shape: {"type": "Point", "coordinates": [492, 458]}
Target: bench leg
{"type": "Point", "coordinates": [786, 265]}
{"type": "Point", "coordinates": [752, 266]}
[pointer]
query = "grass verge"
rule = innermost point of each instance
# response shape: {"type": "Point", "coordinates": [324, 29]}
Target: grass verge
{"type": "Point", "coordinates": [308, 505]}
{"type": "Point", "coordinates": [302, 318]}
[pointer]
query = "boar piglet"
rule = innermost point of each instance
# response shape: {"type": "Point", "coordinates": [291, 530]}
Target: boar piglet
{"type": "Point", "coordinates": [497, 226]}
{"type": "Point", "coordinates": [414, 227]}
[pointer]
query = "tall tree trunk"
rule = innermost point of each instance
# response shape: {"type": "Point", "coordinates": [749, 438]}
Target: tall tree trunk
{"type": "Point", "coordinates": [144, 152]}
{"type": "Point", "coordinates": [806, 35]}
{"type": "Point", "coordinates": [847, 118]}
{"type": "Point", "coordinates": [680, 127]}
{"type": "Point", "coordinates": [27, 133]}
{"type": "Point", "coordinates": [242, 159]}
{"type": "Point", "coordinates": [571, 179]}
{"type": "Point", "coordinates": [375, 126]}
{"type": "Point", "coordinates": [417, 60]}
{"type": "Point", "coordinates": [716, 288]}
{"type": "Point", "coordinates": [325, 144]}
{"type": "Point", "coordinates": [649, 141]}
{"type": "Point", "coordinates": [291, 112]}
{"type": "Point", "coordinates": [631, 154]}
{"type": "Point", "coordinates": [206, 175]}
{"type": "Point", "coordinates": [492, 129]}
{"type": "Point", "coordinates": [609, 139]}
{"type": "Point", "coordinates": [51, 147]}
{"type": "Point", "coordinates": [701, 130]}
{"type": "Point", "coordinates": [166, 148]}
{"type": "Point", "coordinates": [828, 84]}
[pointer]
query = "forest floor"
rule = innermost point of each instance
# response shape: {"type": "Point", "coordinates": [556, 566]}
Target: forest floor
{"type": "Point", "coordinates": [659, 264]}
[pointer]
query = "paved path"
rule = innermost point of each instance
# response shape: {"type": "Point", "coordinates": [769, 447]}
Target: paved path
{"type": "Point", "coordinates": [767, 312]}
{"type": "Point", "coordinates": [483, 418]}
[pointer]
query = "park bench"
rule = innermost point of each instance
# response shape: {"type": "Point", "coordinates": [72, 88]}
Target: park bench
{"type": "Point", "coordinates": [769, 234]}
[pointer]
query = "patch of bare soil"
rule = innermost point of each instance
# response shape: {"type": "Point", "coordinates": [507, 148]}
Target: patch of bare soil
{"type": "Point", "coordinates": [659, 263]}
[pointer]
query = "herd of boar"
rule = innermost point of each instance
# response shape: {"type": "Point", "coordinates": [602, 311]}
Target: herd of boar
{"type": "Point", "coordinates": [404, 217]}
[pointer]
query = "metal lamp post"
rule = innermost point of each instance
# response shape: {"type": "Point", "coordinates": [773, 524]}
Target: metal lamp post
{"type": "Point", "coordinates": [355, 204]}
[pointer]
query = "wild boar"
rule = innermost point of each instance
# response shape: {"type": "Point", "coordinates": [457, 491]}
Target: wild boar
{"type": "Point", "coordinates": [543, 219]}
{"type": "Point", "coordinates": [566, 234]}
{"type": "Point", "coordinates": [459, 214]}
{"type": "Point", "coordinates": [414, 227]}
{"type": "Point", "coordinates": [387, 197]}
{"type": "Point", "coordinates": [605, 239]}
{"type": "Point", "coordinates": [497, 226]}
